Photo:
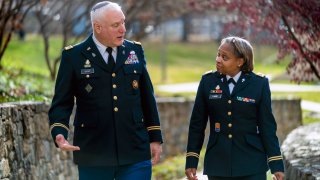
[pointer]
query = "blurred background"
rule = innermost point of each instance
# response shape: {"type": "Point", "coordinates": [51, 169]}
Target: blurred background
{"type": "Point", "coordinates": [180, 39]}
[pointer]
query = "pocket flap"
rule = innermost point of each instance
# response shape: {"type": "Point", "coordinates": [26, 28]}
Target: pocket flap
{"type": "Point", "coordinates": [132, 69]}
{"type": "Point", "coordinates": [86, 119]}
{"type": "Point", "coordinates": [255, 141]}
{"type": "Point", "coordinates": [137, 116]}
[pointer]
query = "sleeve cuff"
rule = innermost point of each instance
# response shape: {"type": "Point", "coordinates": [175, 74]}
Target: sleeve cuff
{"type": "Point", "coordinates": [276, 164]}
{"type": "Point", "coordinates": [192, 160]}
{"type": "Point", "coordinates": [58, 128]}
{"type": "Point", "coordinates": [155, 134]}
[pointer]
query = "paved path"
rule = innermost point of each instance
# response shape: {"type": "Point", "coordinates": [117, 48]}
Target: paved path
{"type": "Point", "coordinates": [306, 105]}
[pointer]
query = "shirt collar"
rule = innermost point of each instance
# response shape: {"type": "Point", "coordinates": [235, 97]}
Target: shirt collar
{"type": "Point", "coordinates": [235, 78]}
{"type": "Point", "coordinates": [102, 48]}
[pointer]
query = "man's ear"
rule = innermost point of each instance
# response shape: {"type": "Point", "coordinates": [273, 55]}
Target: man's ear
{"type": "Point", "coordinates": [97, 27]}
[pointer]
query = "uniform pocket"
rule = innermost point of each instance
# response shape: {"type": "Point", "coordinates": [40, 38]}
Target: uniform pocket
{"type": "Point", "coordinates": [132, 75]}
{"type": "Point", "coordinates": [86, 119]}
{"type": "Point", "coordinates": [212, 141]}
{"type": "Point", "coordinates": [138, 116]}
{"type": "Point", "coordinates": [254, 141]}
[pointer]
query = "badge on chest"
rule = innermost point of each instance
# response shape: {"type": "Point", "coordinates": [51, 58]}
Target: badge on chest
{"type": "Point", "coordinates": [215, 93]}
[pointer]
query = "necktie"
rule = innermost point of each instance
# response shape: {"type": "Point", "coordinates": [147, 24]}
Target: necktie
{"type": "Point", "coordinates": [231, 80]}
{"type": "Point", "coordinates": [231, 84]}
{"type": "Point", "coordinates": [111, 62]}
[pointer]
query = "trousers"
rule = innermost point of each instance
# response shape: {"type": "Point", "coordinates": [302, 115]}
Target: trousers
{"type": "Point", "coordinates": [137, 171]}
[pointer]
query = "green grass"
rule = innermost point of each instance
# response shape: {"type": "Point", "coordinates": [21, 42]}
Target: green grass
{"type": "Point", "coordinates": [186, 62]}
{"type": "Point", "coordinates": [309, 96]}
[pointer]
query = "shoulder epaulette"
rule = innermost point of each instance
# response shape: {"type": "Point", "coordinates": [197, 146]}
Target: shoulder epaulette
{"type": "Point", "coordinates": [261, 74]}
{"type": "Point", "coordinates": [208, 72]}
{"type": "Point", "coordinates": [68, 47]}
{"type": "Point", "coordinates": [136, 42]}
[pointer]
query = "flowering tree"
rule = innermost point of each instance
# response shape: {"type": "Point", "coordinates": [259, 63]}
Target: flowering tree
{"type": "Point", "coordinates": [295, 23]}
{"type": "Point", "coordinates": [11, 13]}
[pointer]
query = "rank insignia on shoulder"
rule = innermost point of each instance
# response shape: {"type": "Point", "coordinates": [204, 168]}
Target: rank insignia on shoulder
{"type": "Point", "coordinates": [208, 72]}
{"type": "Point", "coordinates": [261, 74]}
{"type": "Point", "coordinates": [68, 47]}
{"type": "Point", "coordinates": [136, 42]}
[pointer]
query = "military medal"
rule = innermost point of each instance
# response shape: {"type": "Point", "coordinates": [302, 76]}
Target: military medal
{"type": "Point", "coordinates": [217, 90]}
{"type": "Point", "coordinates": [135, 84]}
{"type": "Point", "coordinates": [217, 127]}
{"type": "Point", "coordinates": [132, 58]}
{"type": "Point", "coordinates": [87, 64]}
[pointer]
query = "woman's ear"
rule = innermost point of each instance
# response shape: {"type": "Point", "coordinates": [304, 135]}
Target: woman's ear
{"type": "Point", "coordinates": [240, 62]}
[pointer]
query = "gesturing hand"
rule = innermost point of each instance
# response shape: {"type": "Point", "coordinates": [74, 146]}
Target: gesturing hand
{"type": "Point", "coordinates": [156, 150]}
{"type": "Point", "coordinates": [64, 144]}
{"type": "Point", "coordinates": [191, 173]}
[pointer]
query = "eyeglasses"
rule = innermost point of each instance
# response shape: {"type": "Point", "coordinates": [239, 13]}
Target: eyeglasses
{"type": "Point", "coordinates": [99, 5]}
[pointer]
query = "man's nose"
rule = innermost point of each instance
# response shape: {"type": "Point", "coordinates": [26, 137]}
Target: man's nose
{"type": "Point", "coordinates": [123, 29]}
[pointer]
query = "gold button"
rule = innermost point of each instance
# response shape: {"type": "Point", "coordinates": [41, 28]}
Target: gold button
{"type": "Point", "coordinates": [229, 101]}
{"type": "Point", "coordinates": [229, 113]}
{"type": "Point", "coordinates": [135, 71]}
{"type": "Point", "coordinates": [230, 136]}
{"type": "Point", "coordinates": [115, 97]}
{"type": "Point", "coordinates": [115, 109]}
{"type": "Point", "coordinates": [229, 125]}
{"type": "Point", "coordinates": [82, 125]}
{"type": "Point", "coordinates": [114, 86]}
{"type": "Point", "coordinates": [87, 76]}
{"type": "Point", "coordinates": [113, 75]}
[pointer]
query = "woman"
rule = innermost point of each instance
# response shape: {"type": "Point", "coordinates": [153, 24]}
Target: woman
{"type": "Point", "coordinates": [243, 144]}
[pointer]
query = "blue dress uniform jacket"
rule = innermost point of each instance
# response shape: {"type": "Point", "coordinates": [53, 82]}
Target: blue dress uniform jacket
{"type": "Point", "coordinates": [116, 114]}
{"type": "Point", "coordinates": [242, 137]}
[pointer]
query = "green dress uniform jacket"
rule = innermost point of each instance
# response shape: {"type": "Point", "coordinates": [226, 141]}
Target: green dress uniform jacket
{"type": "Point", "coordinates": [116, 114]}
{"type": "Point", "coordinates": [242, 137]}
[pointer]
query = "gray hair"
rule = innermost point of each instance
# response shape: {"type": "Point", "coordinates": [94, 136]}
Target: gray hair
{"type": "Point", "coordinates": [99, 8]}
{"type": "Point", "coordinates": [242, 49]}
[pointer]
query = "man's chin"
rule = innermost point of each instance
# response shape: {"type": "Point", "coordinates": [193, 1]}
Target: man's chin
{"type": "Point", "coordinates": [119, 42]}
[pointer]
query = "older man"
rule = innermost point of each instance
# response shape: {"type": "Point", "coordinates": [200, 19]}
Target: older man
{"type": "Point", "coordinates": [117, 127]}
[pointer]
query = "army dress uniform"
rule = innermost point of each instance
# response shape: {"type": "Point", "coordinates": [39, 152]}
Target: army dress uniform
{"type": "Point", "coordinates": [116, 114]}
{"type": "Point", "coordinates": [242, 139]}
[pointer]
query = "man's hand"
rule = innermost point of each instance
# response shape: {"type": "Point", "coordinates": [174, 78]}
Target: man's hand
{"type": "Point", "coordinates": [64, 144]}
{"type": "Point", "coordinates": [278, 176]}
{"type": "Point", "coordinates": [191, 173]}
{"type": "Point", "coordinates": [156, 150]}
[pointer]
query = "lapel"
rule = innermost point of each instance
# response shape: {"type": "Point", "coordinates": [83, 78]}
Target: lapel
{"type": "Point", "coordinates": [91, 52]}
{"type": "Point", "coordinates": [242, 82]}
{"type": "Point", "coordinates": [221, 80]}
{"type": "Point", "coordinates": [122, 54]}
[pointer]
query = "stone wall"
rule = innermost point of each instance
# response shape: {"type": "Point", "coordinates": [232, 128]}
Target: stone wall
{"type": "Point", "coordinates": [301, 151]}
{"type": "Point", "coordinates": [27, 150]}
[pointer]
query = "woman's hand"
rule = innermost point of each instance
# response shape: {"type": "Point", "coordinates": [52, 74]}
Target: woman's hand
{"type": "Point", "coordinates": [191, 173]}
